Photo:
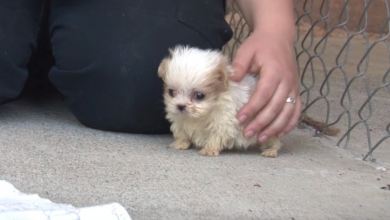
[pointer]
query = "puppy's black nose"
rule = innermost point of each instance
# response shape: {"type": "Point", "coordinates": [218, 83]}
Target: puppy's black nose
{"type": "Point", "coordinates": [181, 107]}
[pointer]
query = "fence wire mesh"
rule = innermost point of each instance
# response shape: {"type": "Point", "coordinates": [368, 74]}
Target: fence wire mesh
{"type": "Point", "coordinates": [343, 57]}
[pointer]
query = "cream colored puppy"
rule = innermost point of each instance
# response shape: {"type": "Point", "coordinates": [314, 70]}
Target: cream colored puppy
{"type": "Point", "coordinates": [202, 103]}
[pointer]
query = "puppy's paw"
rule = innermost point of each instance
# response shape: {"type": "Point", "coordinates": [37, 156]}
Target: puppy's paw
{"type": "Point", "coordinates": [271, 147]}
{"type": "Point", "coordinates": [270, 153]}
{"type": "Point", "coordinates": [180, 145]}
{"type": "Point", "coordinates": [208, 152]}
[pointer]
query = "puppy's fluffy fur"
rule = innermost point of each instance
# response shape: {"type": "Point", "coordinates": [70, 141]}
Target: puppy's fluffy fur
{"type": "Point", "coordinates": [202, 103]}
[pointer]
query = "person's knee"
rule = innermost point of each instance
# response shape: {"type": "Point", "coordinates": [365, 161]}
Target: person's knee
{"type": "Point", "coordinates": [128, 118]}
{"type": "Point", "coordinates": [114, 95]}
{"type": "Point", "coordinates": [122, 114]}
{"type": "Point", "coordinates": [17, 43]}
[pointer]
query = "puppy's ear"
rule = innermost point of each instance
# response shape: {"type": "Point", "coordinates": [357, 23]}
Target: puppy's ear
{"type": "Point", "coordinates": [224, 71]}
{"type": "Point", "coordinates": [163, 67]}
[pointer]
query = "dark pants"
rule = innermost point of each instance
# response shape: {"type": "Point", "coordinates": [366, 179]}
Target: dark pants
{"type": "Point", "coordinates": [102, 55]}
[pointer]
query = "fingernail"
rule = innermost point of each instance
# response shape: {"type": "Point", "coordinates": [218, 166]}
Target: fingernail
{"type": "Point", "coordinates": [263, 138]}
{"type": "Point", "coordinates": [281, 135]}
{"type": "Point", "coordinates": [249, 134]}
{"type": "Point", "coordinates": [242, 118]}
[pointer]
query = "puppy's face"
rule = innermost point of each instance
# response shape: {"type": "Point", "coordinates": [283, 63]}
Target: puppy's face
{"type": "Point", "coordinates": [193, 80]}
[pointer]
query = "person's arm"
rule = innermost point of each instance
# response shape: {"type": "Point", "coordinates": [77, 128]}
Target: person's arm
{"type": "Point", "coordinates": [269, 15]}
{"type": "Point", "coordinates": [269, 50]}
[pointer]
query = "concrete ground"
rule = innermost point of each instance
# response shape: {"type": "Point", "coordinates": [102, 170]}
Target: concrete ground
{"type": "Point", "coordinates": [44, 150]}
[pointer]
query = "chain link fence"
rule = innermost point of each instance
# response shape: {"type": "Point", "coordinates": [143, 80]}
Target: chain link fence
{"type": "Point", "coordinates": [343, 57]}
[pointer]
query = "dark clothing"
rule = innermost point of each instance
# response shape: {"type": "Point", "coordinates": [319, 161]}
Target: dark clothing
{"type": "Point", "coordinates": [102, 55]}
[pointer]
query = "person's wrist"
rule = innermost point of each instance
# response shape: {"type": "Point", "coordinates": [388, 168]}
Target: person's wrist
{"type": "Point", "coordinates": [284, 30]}
{"type": "Point", "coordinates": [275, 17]}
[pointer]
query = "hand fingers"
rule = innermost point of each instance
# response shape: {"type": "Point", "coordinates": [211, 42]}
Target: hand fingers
{"type": "Point", "coordinates": [269, 113]}
{"type": "Point", "coordinates": [241, 62]}
{"type": "Point", "coordinates": [295, 118]}
{"type": "Point", "coordinates": [265, 90]}
{"type": "Point", "coordinates": [279, 124]}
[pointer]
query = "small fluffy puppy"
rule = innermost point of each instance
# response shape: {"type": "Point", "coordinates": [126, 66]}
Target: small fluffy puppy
{"type": "Point", "coordinates": [202, 103]}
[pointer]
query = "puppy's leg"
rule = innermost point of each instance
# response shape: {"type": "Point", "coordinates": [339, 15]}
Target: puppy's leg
{"type": "Point", "coordinates": [211, 150]}
{"type": "Point", "coordinates": [213, 146]}
{"type": "Point", "coordinates": [181, 142]}
{"type": "Point", "coordinates": [219, 138]}
{"type": "Point", "coordinates": [271, 147]}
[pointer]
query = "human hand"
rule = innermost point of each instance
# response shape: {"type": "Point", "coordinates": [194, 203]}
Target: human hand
{"type": "Point", "coordinates": [267, 112]}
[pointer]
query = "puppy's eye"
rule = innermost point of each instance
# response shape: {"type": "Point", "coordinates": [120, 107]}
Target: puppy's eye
{"type": "Point", "coordinates": [171, 92]}
{"type": "Point", "coordinates": [199, 96]}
